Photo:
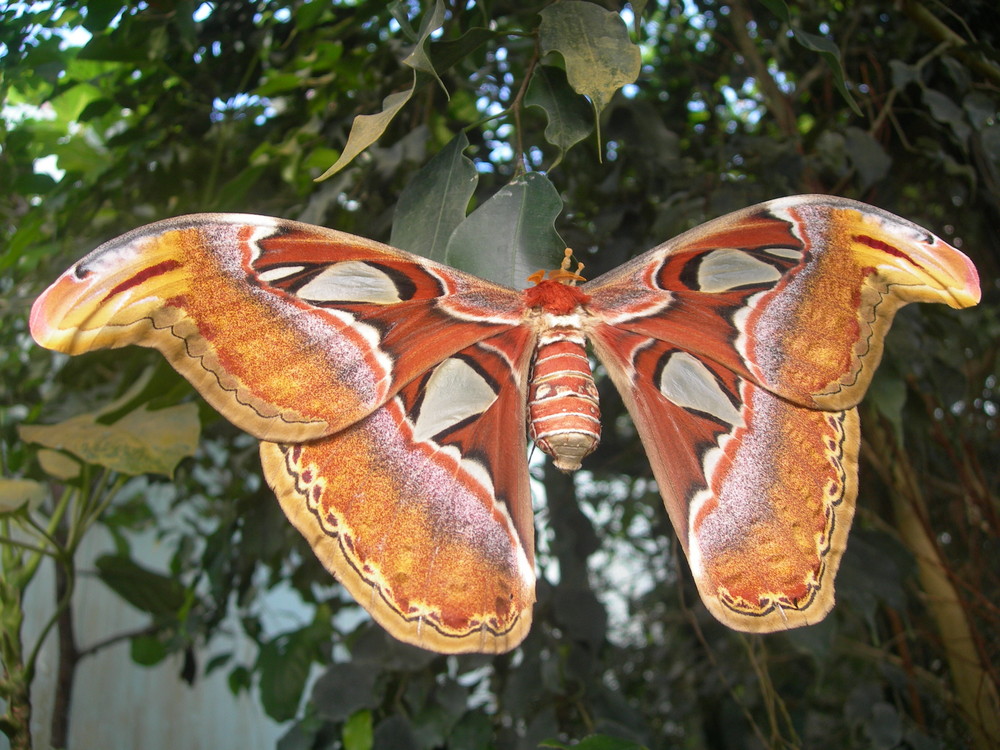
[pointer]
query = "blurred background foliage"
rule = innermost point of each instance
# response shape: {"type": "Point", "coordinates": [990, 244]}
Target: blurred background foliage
{"type": "Point", "coordinates": [116, 114]}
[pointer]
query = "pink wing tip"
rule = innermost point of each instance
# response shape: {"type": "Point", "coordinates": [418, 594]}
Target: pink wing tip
{"type": "Point", "coordinates": [972, 287]}
{"type": "Point", "coordinates": [50, 309]}
{"type": "Point", "coordinates": [38, 322]}
{"type": "Point", "coordinates": [958, 275]}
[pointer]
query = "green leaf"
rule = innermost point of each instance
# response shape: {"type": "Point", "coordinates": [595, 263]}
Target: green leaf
{"type": "Point", "coordinates": [511, 235]}
{"type": "Point", "coordinates": [567, 114]}
{"type": "Point", "coordinates": [638, 8]}
{"type": "Point", "coordinates": [887, 394]}
{"type": "Point", "coordinates": [144, 589]}
{"type": "Point", "coordinates": [18, 493]}
{"type": "Point", "coordinates": [418, 59]}
{"type": "Point", "coordinates": [827, 49]}
{"type": "Point", "coordinates": [594, 43]}
{"type": "Point", "coordinates": [903, 74]}
{"type": "Point", "coordinates": [147, 650]}
{"type": "Point", "coordinates": [96, 109]}
{"type": "Point", "coordinates": [435, 201]}
{"type": "Point", "coordinates": [301, 736]}
{"type": "Point", "coordinates": [596, 742]}
{"type": "Point", "coordinates": [142, 442]}
{"type": "Point", "coordinates": [861, 590]}
{"type": "Point", "coordinates": [944, 110]}
{"type": "Point", "coordinates": [308, 14]}
{"type": "Point", "coordinates": [240, 680]}
{"type": "Point", "coordinates": [279, 83]}
{"type": "Point", "coordinates": [580, 613]}
{"type": "Point", "coordinates": [990, 142]}
{"type": "Point", "coordinates": [284, 665]}
{"type": "Point", "coordinates": [817, 641]}
{"type": "Point", "coordinates": [980, 110]}
{"type": "Point", "coordinates": [100, 14]}
{"type": "Point", "coordinates": [358, 733]}
{"type": "Point", "coordinates": [70, 103]}
{"type": "Point", "coordinates": [441, 707]}
{"type": "Point", "coordinates": [115, 48]}
{"type": "Point", "coordinates": [28, 233]}
{"type": "Point", "coordinates": [345, 690]}
{"type": "Point", "coordinates": [217, 661]}
{"type": "Point", "coordinates": [367, 129]}
{"type": "Point", "coordinates": [885, 727]}
{"type": "Point", "coordinates": [395, 733]}
{"type": "Point", "coordinates": [867, 155]}
{"type": "Point", "coordinates": [448, 53]}
{"type": "Point", "coordinates": [81, 155]}
{"type": "Point", "coordinates": [472, 730]}
{"type": "Point", "coordinates": [236, 188]}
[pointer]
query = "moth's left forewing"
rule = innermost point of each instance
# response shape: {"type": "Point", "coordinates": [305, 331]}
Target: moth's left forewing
{"type": "Point", "coordinates": [741, 349]}
{"type": "Point", "coordinates": [821, 328]}
{"type": "Point", "coordinates": [423, 510]}
{"type": "Point", "coordinates": [290, 331]}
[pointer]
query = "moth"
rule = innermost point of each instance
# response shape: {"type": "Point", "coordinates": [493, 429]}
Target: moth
{"type": "Point", "coordinates": [393, 396]}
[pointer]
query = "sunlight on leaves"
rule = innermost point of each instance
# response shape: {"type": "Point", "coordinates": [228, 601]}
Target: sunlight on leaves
{"type": "Point", "coordinates": [367, 129]}
{"type": "Point", "coordinates": [567, 114]}
{"type": "Point", "coordinates": [594, 43]}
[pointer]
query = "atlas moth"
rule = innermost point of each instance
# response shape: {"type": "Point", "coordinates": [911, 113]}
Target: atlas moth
{"type": "Point", "coordinates": [390, 393]}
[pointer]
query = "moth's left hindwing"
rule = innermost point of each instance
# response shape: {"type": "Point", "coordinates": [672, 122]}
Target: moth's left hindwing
{"type": "Point", "coordinates": [741, 349]}
{"type": "Point", "coordinates": [423, 510]}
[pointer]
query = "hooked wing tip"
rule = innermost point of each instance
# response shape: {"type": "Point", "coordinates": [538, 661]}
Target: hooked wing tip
{"type": "Point", "coordinates": [45, 313]}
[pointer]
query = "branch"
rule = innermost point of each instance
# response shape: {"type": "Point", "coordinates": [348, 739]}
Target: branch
{"type": "Point", "coordinates": [975, 691]}
{"type": "Point", "coordinates": [777, 101]}
{"type": "Point", "coordinates": [118, 638]}
{"type": "Point", "coordinates": [936, 28]}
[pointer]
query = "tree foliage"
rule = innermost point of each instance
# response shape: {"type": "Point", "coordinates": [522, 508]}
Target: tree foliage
{"type": "Point", "coordinates": [477, 111]}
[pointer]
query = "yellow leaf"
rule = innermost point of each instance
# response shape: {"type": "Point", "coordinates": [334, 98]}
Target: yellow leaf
{"type": "Point", "coordinates": [368, 128]}
{"type": "Point", "coordinates": [15, 493]}
{"type": "Point", "coordinates": [142, 442]}
{"type": "Point", "coordinates": [58, 465]}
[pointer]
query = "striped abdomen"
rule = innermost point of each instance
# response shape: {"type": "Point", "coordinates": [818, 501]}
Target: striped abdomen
{"type": "Point", "coordinates": [564, 418]}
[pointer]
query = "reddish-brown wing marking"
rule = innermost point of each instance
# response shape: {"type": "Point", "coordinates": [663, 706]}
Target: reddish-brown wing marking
{"type": "Point", "coordinates": [740, 349]}
{"type": "Point", "coordinates": [396, 391]}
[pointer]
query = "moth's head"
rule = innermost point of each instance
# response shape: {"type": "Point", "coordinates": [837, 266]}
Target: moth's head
{"type": "Point", "coordinates": [556, 291]}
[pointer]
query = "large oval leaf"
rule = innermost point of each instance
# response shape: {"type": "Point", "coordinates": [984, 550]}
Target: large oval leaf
{"type": "Point", "coordinates": [434, 202]}
{"type": "Point", "coordinates": [600, 58]}
{"type": "Point", "coordinates": [511, 235]}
